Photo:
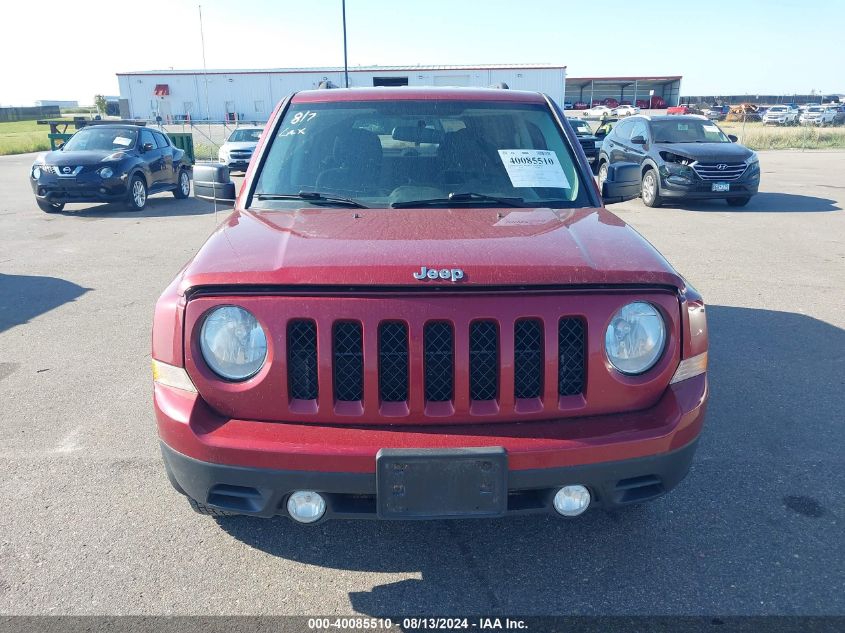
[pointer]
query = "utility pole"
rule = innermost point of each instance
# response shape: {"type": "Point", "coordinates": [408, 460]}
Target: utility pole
{"type": "Point", "coordinates": [345, 63]}
{"type": "Point", "coordinates": [205, 81]}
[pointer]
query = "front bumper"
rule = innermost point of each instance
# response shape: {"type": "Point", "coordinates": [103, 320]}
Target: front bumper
{"type": "Point", "coordinates": [236, 164]}
{"type": "Point", "coordinates": [703, 189]}
{"type": "Point", "coordinates": [87, 187]}
{"type": "Point", "coordinates": [251, 467]}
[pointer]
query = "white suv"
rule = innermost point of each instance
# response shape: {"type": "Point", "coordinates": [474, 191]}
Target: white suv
{"type": "Point", "coordinates": [781, 115]}
{"type": "Point", "coordinates": [818, 115]}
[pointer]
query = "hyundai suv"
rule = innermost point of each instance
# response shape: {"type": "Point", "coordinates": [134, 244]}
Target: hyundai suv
{"type": "Point", "coordinates": [682, 157]}
{"type": "Point", "coordinates": [418, 309]}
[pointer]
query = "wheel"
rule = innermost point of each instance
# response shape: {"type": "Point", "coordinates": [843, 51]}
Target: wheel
{"type": "Point", "coordinates": [649, 190]}
{"type": "Point", "coordinates": [738, 202]}
{"type": "Point", "coordinates": [137, 193]}
{"type": "Point", "coordinates": [201, 508]}
{"type": "Point", "coordinates": [50, 207]}
{"type": "Point", "coordinates": [183, 185]}
{"type": "Point", "coordinates": [602, 176]}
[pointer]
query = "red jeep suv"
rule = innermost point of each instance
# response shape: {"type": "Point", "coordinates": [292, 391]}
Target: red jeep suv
{"type": "Point", "coordinates": [420, 309]}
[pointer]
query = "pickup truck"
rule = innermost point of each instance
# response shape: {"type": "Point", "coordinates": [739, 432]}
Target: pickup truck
{"type": "Point", "coordinates": [818, 115]}
{"type": "Point", "coordinates": [781, 115]}
{"type": "Point", "coordinates": [420, 308]}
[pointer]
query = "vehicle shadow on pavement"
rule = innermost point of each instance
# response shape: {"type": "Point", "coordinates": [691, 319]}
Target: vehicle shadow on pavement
{"type": "Point", "coordinates": [763, 203]}
{"type": "Point", "coordinates": [24, 297]}
{"type": "Point", "coordinates": [157, 206]}
{"type": "Point", "coordinates": [751, 531]}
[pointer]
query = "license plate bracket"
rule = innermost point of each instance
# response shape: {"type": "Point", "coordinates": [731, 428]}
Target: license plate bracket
{"type": "Point", "coordinates": [721, 186]}
{"type": "Point", "coordinates": [441, 483]}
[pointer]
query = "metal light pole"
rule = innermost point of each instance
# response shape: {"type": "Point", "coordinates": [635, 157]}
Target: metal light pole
{"type": "Point", "coordinates": [345, 63]}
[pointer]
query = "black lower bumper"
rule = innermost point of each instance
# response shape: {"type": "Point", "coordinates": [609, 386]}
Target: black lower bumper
{"type": "Point", "coordinates": [704, 190]}
{"type": "Point", "coordinates": [110, 190]}
{"type": "Point", "coordinates": [264, 492]}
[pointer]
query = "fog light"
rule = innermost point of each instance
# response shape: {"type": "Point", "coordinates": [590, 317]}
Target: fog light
{"type": "Point", "coordinates": [306, 506]}
{"type": "Point", "coordinates": [570, 501]}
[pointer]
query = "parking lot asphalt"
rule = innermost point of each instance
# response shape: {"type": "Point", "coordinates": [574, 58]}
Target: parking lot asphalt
{"type": "Point", "coordinates": [90, 525]}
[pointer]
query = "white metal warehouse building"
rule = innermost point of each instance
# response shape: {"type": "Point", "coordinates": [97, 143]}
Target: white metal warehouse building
{"type": "Point", "coordinates": [251, 95]}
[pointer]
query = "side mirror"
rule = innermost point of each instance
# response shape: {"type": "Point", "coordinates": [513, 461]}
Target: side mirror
{"type": "Point", "coordinates": [622, 182]}
{"type": "Point", "coordinates": [638, 140]}
{"type": "Point", "coordinates": [147, 147]}
{"type": "Point", "coordinates": [212, 183]}
{"type": "Point", "coordinates": [733, 138]}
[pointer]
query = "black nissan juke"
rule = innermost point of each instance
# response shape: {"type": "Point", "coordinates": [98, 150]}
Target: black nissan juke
{"type": "Point", "coordinates": [110, 163]}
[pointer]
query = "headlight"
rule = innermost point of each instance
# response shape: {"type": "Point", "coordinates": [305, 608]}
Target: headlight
{"type": "Point", "coordinates": [635, 338]}
{"type": "Point", "coordinates": [119, 155]}
{"type": "Point", "coordinates": [106, 172]}
{"type": "Point", "coordinates": [753, 159]}
{"type": "Point", "coordinates": [36, 171]}
{"type": "Point", "coordinates": [233, 343]}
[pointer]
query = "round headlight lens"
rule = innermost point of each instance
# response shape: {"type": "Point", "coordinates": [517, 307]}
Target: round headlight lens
{"type": "Point", "coordinates": [106, 172]}
{"type": "Point", "coordinates": [635, 338]}
{"type": "Point", "coordinates": [233, 343]}
{"type": "Point", "coordinates": [36, 172]}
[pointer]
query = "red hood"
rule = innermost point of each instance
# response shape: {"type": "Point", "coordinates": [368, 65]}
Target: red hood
{"type": "Point", "coordinates": [384, 247]}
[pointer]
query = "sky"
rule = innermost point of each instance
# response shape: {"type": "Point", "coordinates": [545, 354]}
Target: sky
{"type": "Point", "coordinates": [720, 47]}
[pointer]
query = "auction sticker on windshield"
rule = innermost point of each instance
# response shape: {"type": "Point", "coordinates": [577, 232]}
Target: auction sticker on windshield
{"type": "Point", "coordinates": [122, 140]}
{"type": "Point", "coordinates": [533, 168]}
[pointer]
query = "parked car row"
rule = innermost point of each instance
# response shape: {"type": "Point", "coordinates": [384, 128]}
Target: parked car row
{"type": "Point", "coordinates": [600, 111]}
{"type": "Point", "coordinates": [654, 103]}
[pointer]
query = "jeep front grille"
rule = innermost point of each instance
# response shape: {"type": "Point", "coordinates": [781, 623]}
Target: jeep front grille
{"type": "Point", "coordinates": [719, 171]}
{"type": "Point", "coordinates": [483, 353]}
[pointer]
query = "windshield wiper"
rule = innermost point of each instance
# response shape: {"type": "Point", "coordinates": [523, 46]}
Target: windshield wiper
{"type": "Point", "coordinates": [313, 197]}
{"type": "Point", "coordinates": [460, 198]}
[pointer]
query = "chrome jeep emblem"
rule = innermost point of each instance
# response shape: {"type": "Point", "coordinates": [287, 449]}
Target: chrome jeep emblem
{"type": "Point", "coordinates": [721, 167]}
{"type": "Point", "coordinates": [455, 274]}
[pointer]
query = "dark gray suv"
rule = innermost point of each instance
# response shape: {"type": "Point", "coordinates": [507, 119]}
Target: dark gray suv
{"type": "Point", "coordinates": [682, 156]}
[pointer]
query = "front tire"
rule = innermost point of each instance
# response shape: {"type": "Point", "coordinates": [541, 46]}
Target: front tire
{"type": "Point", "coordinates": [602, 175]}
{"type": "Point", "coordinates": [137, 193]}
{"type": "Point", "coordinates": [738, 202]}
{"type": "Point", "coordinates": [50, 207]}
{"type": "Point", "coordinates": [649, 189]}
{"type": "Point", "coordinates": [183, 185]}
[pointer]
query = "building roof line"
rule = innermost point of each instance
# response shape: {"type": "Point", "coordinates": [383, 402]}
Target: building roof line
{"type": "Point", "coordinates": [334, 69]}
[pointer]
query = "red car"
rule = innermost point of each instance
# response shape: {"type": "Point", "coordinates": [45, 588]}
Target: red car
{"type": "Point", "coordinates": [419, 308]}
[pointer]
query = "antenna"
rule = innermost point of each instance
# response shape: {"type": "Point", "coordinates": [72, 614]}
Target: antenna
{"type": "Point", "coordinates": [345, 63]}
{"type": "Point", "coordinates": [205, 80]}
{"type": "Point", "coordinates": [207, 109]}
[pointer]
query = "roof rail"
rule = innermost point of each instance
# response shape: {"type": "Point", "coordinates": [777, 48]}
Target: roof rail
{"type": "Point", "coordinates": [325, 85]}
{"type": "Point", "coordinates": [501, 85]}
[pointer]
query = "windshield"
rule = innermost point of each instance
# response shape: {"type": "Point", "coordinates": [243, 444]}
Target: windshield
{"type": "Point", "coordinates": [582, 128]}
{"type": "Point", "coordinates": [816, 110]}
{"type": "Point", "coordinates": [245, 136]}
{"type": "Point", "coordinates": [382, 153]}
{"type": "Point", "coordinates": [102, 139]}
{"type": "Point", "coordinates": [777, 109]}
{"type": "Point", "coordinates": [687, 131]}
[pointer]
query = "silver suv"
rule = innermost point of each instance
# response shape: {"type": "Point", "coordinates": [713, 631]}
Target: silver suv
{"type": "Point", "coordinates": [237, 151]}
